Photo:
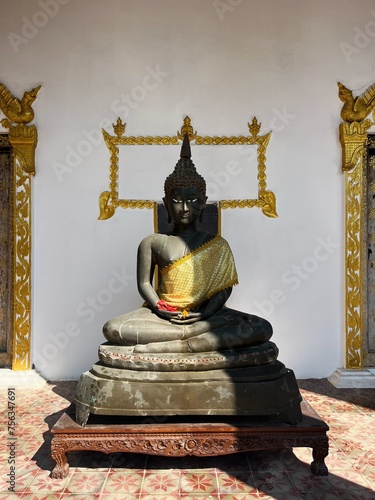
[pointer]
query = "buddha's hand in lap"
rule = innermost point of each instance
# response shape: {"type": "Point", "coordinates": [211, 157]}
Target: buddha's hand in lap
{"type": "Point", "coordinates": [178, 318]}
{"type": "Point", "coordinates": [167, 315]}
{"type": "Point", "coordinates": [191, 317]}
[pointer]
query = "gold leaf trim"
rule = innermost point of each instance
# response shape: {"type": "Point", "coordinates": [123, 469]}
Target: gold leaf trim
{"type": "Point", "coordinates": [22, 270]}
{"type": "Point", "coordinates": [353, 137]}
{"type": "Point", "coordinates": [23, 139]}
{"type": "Point", "coordinates": [109, 200]}
{"type": "Point", "coordinates": [190, 255]}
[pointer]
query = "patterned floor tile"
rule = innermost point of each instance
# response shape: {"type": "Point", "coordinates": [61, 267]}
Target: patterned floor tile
{"type": "Point", "coordinates": [123, 482]}
{"type": "Point", "coordinates": [22, 482]}
{"type": "Point", "coordinates": [338, 460]}
{"type": "Point", "coordinates": [33, 446]}
{"type": "Point", "coordinates": [357, 495]}
{"type": "Point", "coordinates": [348, 480]}
{"type": "Point", "coordinates": [3, 447]}
{"type": "Point", "coordinates": [89, 496]}
{"type": "Point", "coordinates": [85, 482]}
{"type": "Point", "coordinates": [25, 464]}
{"type": "Point", "coordinates": [197, 496]}
{"type": "Point", "coordinates": [343, 407]}
{"type": "Point", "coordinates": [35, 419]}
{"type": "Point", "coordinates": [304, 455]}
{"type": "Point", "coordinates": [266, 461]}
{"type": "Point", "coordinates": [26, 432]}
{"type": "Point", "coordinates": [291, 462]}
{"type": "Point", "coordinates": [236, 482]}
{"type": "Point", "coordinates": [168, 496]}
{"type": "Point", "coordinates": [43, 483]}
{"type": "Point", "coordinates": [118, 496]}
{"type": "Point", "coordinates": [240, 496]}
{"type": "Point", "coordinates": [348, 444]}
{"type": "Point", "coordinates": [198, 482]}
{"type": "Point", "coordinates": [23, 408]}
{"type": "Point", "coordinates": [43, 496]}
{"type": "Point", "coordinates": [273, 483]}
{"type": "Point", "coordinates": [19, 444]}
{"type": "Point", "coordinates": [54, 407]}
{"type": "Point", "coordinates": [361, 461]}
{"type": "Point", "coordinates": [369, 473]}
{"type": "Point", "coordinates": [306, 481]}
{"type": "Point", "coordinates": [365, 409]}
{"type": "Point", "coordinates": [285, 474]}
{"type": "Point", "coordinates": [321, 495]}
{"type": "Point", "coordinates": [158, 483]}
{"type": "Point", "coordinates": [233, 463]}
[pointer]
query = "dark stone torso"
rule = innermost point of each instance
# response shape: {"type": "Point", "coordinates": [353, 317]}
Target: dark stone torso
{"type": "Point", "coordinates": [168, 248]}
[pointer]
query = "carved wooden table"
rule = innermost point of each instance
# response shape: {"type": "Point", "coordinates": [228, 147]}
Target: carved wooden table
{"type": "Point", "coordinates": [177, 438]}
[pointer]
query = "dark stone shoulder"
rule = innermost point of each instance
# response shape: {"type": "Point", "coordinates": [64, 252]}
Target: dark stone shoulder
{"type": "Point", "coordinates": [152, 240]}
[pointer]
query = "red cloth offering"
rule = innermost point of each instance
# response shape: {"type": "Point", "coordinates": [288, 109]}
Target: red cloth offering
{"type": "Point", "coordinates": [165, 307]}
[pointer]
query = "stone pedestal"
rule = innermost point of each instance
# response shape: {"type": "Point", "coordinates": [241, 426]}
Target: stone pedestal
{"type": "Point", "coordinates": [259, 390]}
{"type": "Point", "coordinates": [353, 379]}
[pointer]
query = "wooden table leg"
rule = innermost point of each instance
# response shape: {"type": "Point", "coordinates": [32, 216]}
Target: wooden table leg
{"type": "Point", "coordinates": [319, 453]}
{"type": "Point", "coordinates": [61, 469]}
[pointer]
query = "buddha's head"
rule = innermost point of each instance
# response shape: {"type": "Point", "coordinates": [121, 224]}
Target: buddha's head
{"type": "Point", "coordinates": [185, 189]}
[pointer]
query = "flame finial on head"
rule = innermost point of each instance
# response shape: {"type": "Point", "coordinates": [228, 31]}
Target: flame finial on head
{"type": "Point", "coordinates": [185, 148]}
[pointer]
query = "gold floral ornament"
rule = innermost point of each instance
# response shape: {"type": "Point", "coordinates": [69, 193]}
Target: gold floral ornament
{"type": "Point", "coordinates": [353, 138]}
{"type": "Point", "coordinates": [119, 128]}
{"type": "Point", "coordinates": [109, 200]}
{"type": "Point", "coordinates": [254, 127]}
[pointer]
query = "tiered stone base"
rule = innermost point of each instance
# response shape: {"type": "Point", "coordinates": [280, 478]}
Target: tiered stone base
{"type": "Point", "coordinates": [269, 389]}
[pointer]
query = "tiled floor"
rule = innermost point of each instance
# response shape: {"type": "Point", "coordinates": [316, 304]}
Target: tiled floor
{"type": "Point", "coordinates": [285, 474]}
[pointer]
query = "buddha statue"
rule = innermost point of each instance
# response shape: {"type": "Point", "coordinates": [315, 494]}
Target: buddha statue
{"type": "Point", "coordinates": [187, 312]}
{"type": "Point", "coordinates": [184, 334]}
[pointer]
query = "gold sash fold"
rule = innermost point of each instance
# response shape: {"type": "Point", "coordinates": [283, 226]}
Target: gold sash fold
{"type": "Point", "coordinates": [191, 280]}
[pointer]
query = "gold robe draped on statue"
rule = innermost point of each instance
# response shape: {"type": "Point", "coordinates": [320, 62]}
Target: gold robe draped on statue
{"type": "Point", "coordinates": [191, 280]}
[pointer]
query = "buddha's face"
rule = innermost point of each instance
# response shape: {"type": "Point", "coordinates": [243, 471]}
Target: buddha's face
{"type": "Point", "coordinates": [184, 205]}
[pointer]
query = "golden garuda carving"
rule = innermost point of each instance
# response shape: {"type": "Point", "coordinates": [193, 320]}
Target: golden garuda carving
{"type": "Point", "coordinates": [22, 137]}
{"type": "Point", "coordinates": [18, 111]}
{"type": "Point", "coordinates": [356, 109]}
{"type": "Point", "coordinates": [353, 129]}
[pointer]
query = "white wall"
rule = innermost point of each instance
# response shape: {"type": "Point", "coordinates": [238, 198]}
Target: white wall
{"type": "Point", "coordinates": [221, 63]}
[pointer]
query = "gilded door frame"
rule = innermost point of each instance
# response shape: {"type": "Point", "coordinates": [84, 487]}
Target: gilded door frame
{"type": "Point", "coordinates": [353, 133]}
{"type": "Point", "coordinates": [23, 140]}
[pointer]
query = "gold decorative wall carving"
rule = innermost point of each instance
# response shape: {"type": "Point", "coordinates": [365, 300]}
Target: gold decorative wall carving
{"type": "Point", "coordinates": [6, 253]}
{"type": "Point", "coordinates": [23, 139]}
{"type": "Point", "coordinates": [353, 138]}
{"type": "Point", "coordinates": [109, 200]}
